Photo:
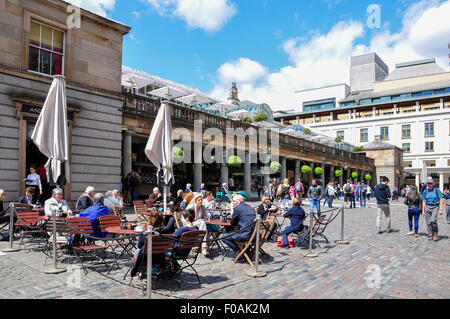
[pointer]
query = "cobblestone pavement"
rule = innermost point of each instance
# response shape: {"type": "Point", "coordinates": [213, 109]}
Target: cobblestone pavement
{"type": "Point", "coordinates": [408, 267]}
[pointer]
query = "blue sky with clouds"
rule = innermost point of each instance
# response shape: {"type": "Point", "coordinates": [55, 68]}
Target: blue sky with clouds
{"type": "Point", "coordinates": [272, 47]}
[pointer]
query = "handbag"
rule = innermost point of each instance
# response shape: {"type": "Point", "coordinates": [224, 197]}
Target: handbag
{"type": "Point", "coordinates": [155, 218]}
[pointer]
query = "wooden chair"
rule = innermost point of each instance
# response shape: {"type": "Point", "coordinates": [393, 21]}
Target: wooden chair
{"type": "Point", "coordinates": [177, 216]}
{"type": "Point", "coordinates": [138, 202]}
{"type": "Point", "coordinates": [160, 245]}
{"type": "Point", "coordinates": [189, 240]}
{"type": "Point", "coordinates": [20, 207]}
{"type": "Point", "coordinates": [147, 203]}
{"type": "Point", "coordinates": [61, 228]}
{"type": "Point", "coordinates": [118, 211]}
{"type": "Point", "coordinates": [266, 231]}
{"type": "Point", "coordinates": [84, 226]}
{"type": "Point", "coordinates": [246, 247]}
{"type": "Point", "coordinates": [138, 209]}
{"type": "Point", "coordinates": [28, 221]}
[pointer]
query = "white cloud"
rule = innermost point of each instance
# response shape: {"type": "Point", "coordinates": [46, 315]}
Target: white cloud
{"type": "Point", "coordinates": [324, 59]}
{"type": "Point", "coordinates": [204, 14]}
{"type": "Point", "coordinates": [97, 6]}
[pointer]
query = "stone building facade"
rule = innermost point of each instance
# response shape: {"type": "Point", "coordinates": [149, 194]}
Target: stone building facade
{"type": "Point", "coordinates": [36, 43]}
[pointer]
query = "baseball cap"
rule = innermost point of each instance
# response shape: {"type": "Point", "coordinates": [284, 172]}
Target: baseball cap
{"type": "Point", "coordinates": [430, 180]}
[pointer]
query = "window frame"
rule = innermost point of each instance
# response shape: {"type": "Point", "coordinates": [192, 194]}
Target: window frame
{"type": "Point", "coordinates": [383, 138]}
{"type": "Point", "coordinates": [408, 150]}
{"type": "Point", "coordinates": [39, 48]}
{"type": "Point", "coordinates": [429, 143]}
{"type": "Point", "coordinates": [427, 128]}
{"type": "Point", "coordinates": [408, 130]}
{"type": "Point", "coordinates": [365, 132]}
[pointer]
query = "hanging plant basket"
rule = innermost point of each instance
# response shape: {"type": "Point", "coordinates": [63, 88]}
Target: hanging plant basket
{"type": "Point", "coordinates": [275, 167]}
{"type": "Point", "coordinates": [368, 177]}
{"type": "Point", "coordinates": [318, 171]}
{"type": "Point", "coordinates": [355, 175]}
{"type": "Point", "coordinates": [178, 154]}
{"type": "Point", "coordinates": [234, 161]}
{"type": "Point", "coordinates": [306, 169]}
{"type": "Point", "coordinates": [338, 173]}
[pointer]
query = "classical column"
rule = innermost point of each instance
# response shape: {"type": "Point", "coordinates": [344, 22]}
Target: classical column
{"type": "Point", "coordinates": [441, 103]}
{"type": "Point", "coordinates": [341, 178]}
{"type": "Point", "coordinates": [395, 109]}
{"type": "Point", "coordinates": [197, 166]}
{"type": "Point", "coordinates": [297, 170]}
{"type": "Point", "coordinates": [247, 174]}
{"type": "Point", "coordinates": [283, 168]}
{"type": "Point", "coordinates": [417, 179]}
{"type": "Point", "coordinates": [323, 177]}
{"type": "Point", "coordinates": [127, 154]}
{"type": "Point", "coordinates": [374, 111]}
{"type": "Point", "coordinates": [332, 174]}
{"type": "Point", "coordinates": [417, 106]}
{"type": "Point", "coordinates": [441, 182]}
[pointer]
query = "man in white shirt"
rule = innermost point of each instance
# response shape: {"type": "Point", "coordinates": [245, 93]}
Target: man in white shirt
{"type": "Point", "coordinates": [56, 203]}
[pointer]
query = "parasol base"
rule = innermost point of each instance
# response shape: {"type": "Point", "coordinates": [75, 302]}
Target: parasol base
{"type": "Point", "coordinates": [255, 274]}
{"type": "Point", "coordinates": [342, 242]}
{"type": "Point", "coordinates": [10, 250]}
{"type": "Point", "coordinates": [311, 255]}
{"type": "Point", "coordinates": [55, 270]}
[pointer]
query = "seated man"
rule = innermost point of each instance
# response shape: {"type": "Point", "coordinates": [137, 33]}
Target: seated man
{"type": "Point", "coordinates": [98, 209]}
{"type": "Point", "coordinates": [244, 217]}
{"type": "Point", "coordinates": [156, 197]}
{"type": "Point", "coordinates": [57, 204]}
{"type": "Point", "coordinates": [29, 197]}
{"type": "Point", "coordinates": [85, 200]}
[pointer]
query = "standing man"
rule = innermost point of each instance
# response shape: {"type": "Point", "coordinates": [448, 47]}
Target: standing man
{"type": "Point", "coordinates": [362, 194]}
{"type": "Point", "coordinates": [348, 189]}
{"type": "Point", "coordinates": [432, 203]}
{"type": "Point", "coordinates": [134, 180]}
{"type": "Point", "coordinates": [315, 195]}
{"type": "Point", "coordinates": [329, 194]}
{"type": "Point", "coordinates": [382, 194]}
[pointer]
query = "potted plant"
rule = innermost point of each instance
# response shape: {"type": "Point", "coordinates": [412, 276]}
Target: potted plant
{"type": "Point", "coordinates": [275, 167]}
{"type": "Point", "coordinates": [355, 175]}
{"type": "Point", "coordinates": [234, 161]}
{"type": "Point", "coordinates": [305, 169]}
{"type": "Point", "coordinates": [318, 171]}
{"type": "Point", "coordinates": [338, 173]}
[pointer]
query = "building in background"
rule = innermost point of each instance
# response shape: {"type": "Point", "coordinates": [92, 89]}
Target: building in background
{"type": "Point", "coordinates": [37, 43]}
{"type": "Point", "coordinates": [408, 108]}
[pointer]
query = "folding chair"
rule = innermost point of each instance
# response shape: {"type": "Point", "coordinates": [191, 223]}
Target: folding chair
{"type": "Point", "coordinates": [247, 248]}
{"type": "Point", "coordinates": [28, 221]}
{"type": "Point", "coordinates": [266, 231]}
{"type": "Point", "coordinates": [189, 240]}
{"type": "Point", "coordinates": [160, 245]}
{"type": "Point", "coordinates": [84, 226]}
{"type": "Point", "coordinates": [118, 211]}
{"type": "Point", "coordinates": [61, 228]}
{"type": "Point", "coordinates": [147, 203]}
{"type": "Point", "coordinates": [138, 209]}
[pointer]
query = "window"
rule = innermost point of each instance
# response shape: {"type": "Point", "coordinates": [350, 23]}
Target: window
{"type": "Point", "coordinates": [384, 133]}
{"type": "Point", "coordinates": [429, 146]}
{"type": "Point", "coordinates": [406, 147]}
{"type": "Point", "coordinates": [46, 49]}
{"type": "Point", "coordinates": [340, 134]}
{"type": "Point", "coordinates": [364, 134]}
{"type": "Point", "coordinates": [429, 129]}
{"type": "Point", "coordinates": [406, 131]}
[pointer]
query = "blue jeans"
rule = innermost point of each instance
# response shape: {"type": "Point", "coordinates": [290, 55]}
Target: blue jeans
{"type": "Point", "coordinates": [352, 200]}
{"type": "Point", "coordinates": [285, 234]}
{"type": "Point", "coordinates": [329, 200]}
{"type": "Point", "coordinates": [134, 194]}
{"type": "Point", "coordinates": [362, 199]}
{"type": "Point", "coordinates": [413, 212]}
{"type": "Point", "coordinates": [315, 202]}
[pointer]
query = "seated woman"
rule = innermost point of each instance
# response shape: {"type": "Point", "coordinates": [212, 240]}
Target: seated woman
{"type": "Point", "coordinates": [265, 208]}
{"type": "Point", "coordinates": [296, 215]}
{"type": "Point", "coordinates": [200, 219]}
{"type": "Point", "coordinates": [178, 200]}
{"type": "Point", "coordinates": [159, 262]}
{"type": "Point", "coordinates": [186, 200]}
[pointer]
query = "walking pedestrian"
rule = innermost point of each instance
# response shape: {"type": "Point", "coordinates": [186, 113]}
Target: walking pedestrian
{"type": "Point", "coordinates": [413, 201]}
{"type": "Point", "coordinates": [447, 206]}
{"type": "Point", "coordinates": [284, 193]}
{"type": "Point", "coordinates": [299, 188]}
{"type": "Point", "coordinates": [348, 189]}
{"type": "Point", "coordinates": [382, 194]}
{"type": "Point", "coordinates": [315, 194]}
{"type": "Point", "coordinates": [329, 194]}
{"type": "Point", "coordinates": [362, 194]}
{"type": "Point", "coordinates": [431, 205]}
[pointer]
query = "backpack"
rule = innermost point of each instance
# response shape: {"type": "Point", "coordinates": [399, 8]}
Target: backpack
{"type": "Point", "coordinates": [348, 188]}
{"type": "Point", "coordinates": [363, 188]}
{"type": "Point", "coordinates": [299, 187]}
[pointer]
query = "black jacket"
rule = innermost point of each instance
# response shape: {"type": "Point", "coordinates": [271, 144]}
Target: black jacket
{"type": "Point", "coordinates": [382, 193]}
{"type": "Point", "coordinates": [413, 204]}
{"type": "Point", "coordinates": [23, 200]}
{"type": "Point", "coordinates": [244, 217]}
{"type": "Point", "coordinates": [263, 212]}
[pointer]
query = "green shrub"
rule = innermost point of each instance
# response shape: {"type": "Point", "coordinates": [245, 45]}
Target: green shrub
{"type": "Point", "coordinates": [368, 177]}
{"type": "Point", "coordinates": [275, 167]}
{"type": "Point", "coordinates": [318, 171]}
{"type": "Point", "coordinates": [338, 139]}
{"type": "Point", "coordinates": [234, 161]}
{"type": "Point", "coordinates": [261, 117]}
{"type": "Point", "coordinates": [307, 131]}
{"type": "Point", "coordinates": [338, 173]}
{"type": "Point", "coordinates": [306, 169]}
{"type": "Point", "coordinates": [178, 154]}
{"type": "Point", "coordinates": [355, 175]}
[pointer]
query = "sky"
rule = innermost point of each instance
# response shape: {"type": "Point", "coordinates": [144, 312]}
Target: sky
{"type": "Point", "coordinates": [273, 48]}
